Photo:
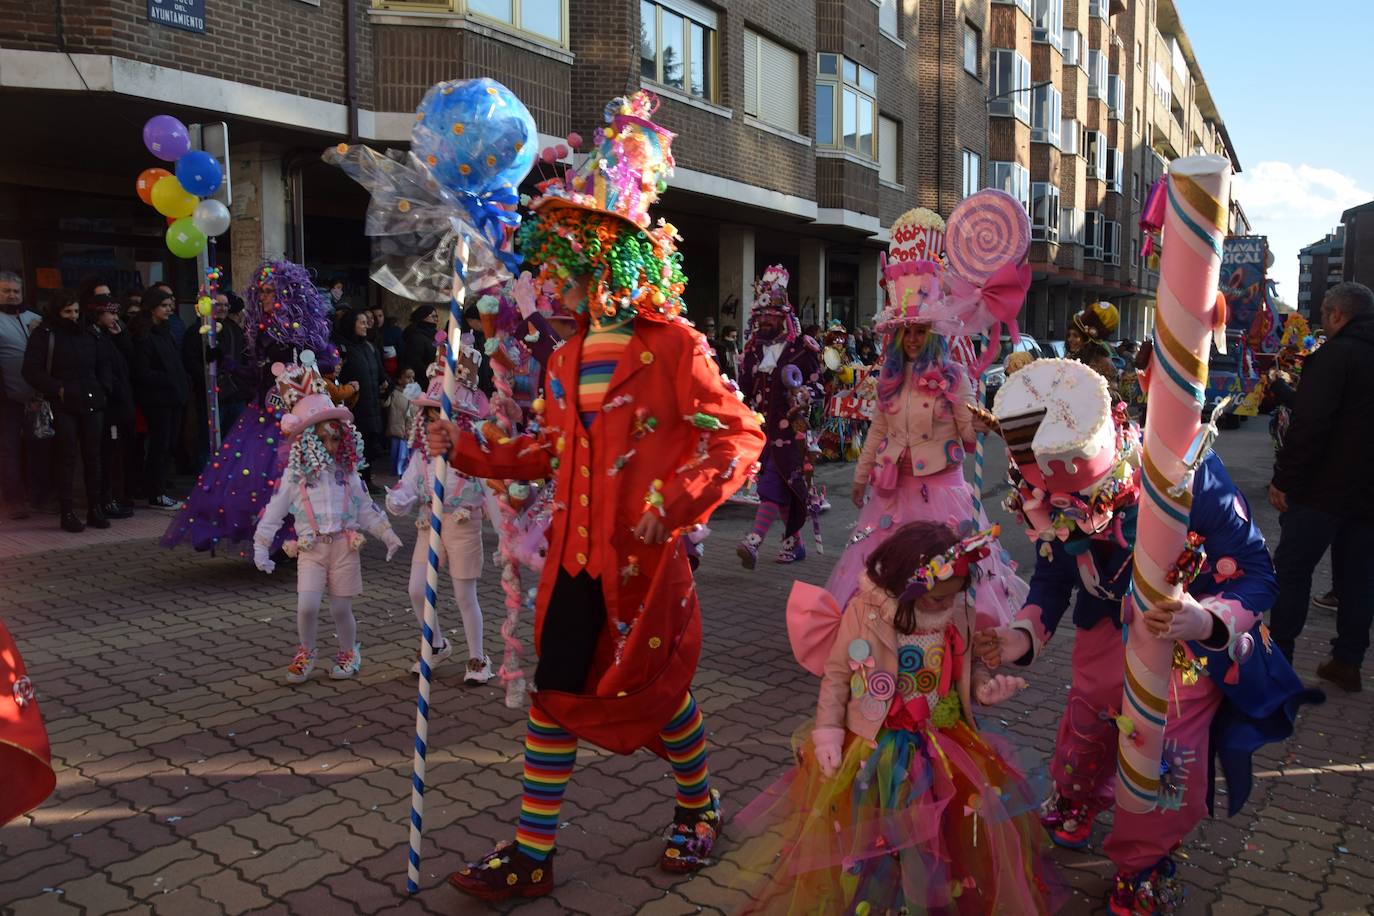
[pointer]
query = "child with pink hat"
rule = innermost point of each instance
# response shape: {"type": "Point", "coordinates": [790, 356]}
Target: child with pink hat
{"type": "Point", "coordinates": [463, 500]}
{"type": "Point", "coordinates": [322, 489]}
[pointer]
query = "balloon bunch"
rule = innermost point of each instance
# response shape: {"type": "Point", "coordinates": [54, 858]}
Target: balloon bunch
{"type": "Point", "coordinates": [191, 219]}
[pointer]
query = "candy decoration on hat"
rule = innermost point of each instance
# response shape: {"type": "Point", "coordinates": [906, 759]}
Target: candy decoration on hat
{"type": "Point", "coordinates": [1198, 192]}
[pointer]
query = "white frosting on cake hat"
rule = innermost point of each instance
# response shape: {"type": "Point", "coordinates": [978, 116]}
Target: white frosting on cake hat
{"type": "Point", "coordinates": [1075, 443]}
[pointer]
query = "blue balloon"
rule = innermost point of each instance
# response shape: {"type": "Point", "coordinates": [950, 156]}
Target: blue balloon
{"type": "Point", "coordinates": [199, 173]}
{"type": "Point", "coordinates": [475, 136]}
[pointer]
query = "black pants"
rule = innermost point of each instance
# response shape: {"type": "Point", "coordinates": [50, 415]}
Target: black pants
{"type": "Point", "coordinates": [120, 465]}
{"type": "Point", "coordinates": [1305, 535]}
{"type": "Point", "coordinates": [572, 627]}
{"type": "Point", "coordinates": [163, 425]}
{"type": "Point", "coordinates": [78, 439]}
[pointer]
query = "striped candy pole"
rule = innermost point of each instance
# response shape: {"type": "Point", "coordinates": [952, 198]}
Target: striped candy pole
{"type": "Point", "coordinates": [1198, 189]}
{"type": "Point", "coordinates": [436, 523]}
{"type": "Point", "coordinates": [978, 461]}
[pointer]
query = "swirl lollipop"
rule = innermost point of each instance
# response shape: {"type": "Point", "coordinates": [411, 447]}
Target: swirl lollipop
{"type": "Point", "coordinates": [986, 231]}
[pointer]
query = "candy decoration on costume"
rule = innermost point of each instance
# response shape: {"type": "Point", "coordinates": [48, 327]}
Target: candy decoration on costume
{"type": "Point", "coordinates": [986, 231]}
{"type": "Point", "coordinates": [1198, 189]}
{"type": "Point", "coordinates": [25, 758]}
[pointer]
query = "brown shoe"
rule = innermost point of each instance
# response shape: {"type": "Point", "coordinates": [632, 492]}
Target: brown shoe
{"type": "Point", "coordinates": [503, 873]}
{"type": "Point", "coordinates": [1346, 677]}
{"type": "Point", "coordinates": [694, 835]}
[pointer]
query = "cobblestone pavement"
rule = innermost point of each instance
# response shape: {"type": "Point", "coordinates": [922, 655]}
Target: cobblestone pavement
{"type": "Point", "coordinates": [190, 780]}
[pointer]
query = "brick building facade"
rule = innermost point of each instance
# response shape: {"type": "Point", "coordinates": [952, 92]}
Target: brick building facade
{"type": "Point", "coordinates": [800, 137]}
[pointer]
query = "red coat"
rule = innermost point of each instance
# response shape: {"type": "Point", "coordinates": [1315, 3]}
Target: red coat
{"type": "Point", "coordinates": [648, 651]}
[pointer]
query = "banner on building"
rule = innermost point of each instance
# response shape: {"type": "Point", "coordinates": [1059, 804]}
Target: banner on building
{"type": "Point", "coordinates": [178, 14]}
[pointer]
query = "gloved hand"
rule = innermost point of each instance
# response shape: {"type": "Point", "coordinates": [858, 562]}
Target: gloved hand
{"type": "Point", "coordinates": [1180, 618]}
{"type": "Point", "coordinates": [262, 560]}
{"type": "Point", "coordinates": [393, 544]}
{"type": "Point", "coordinates": [827, 742]}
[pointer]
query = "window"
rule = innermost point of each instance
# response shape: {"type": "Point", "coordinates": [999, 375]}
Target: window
{"type": "Point", "coordinates": [1070, 226]}
{"type": "Point", "coordinates": [772, 81]}
{"type": "Point", "coordinates": [1046, 115]}
{"type": "Point", "coordinates": [1135, 253]}
{"type": "Point", "coordinates": [887, 16]}
{"type": "Point", "coordinates": [1135, 124]}
{"type": "Point", "coordinates": [973, 47]}
{"type": "Point", "coordinates": [973, 172]}
{"type": "Point", "coordinates": [889, 150]}
{"type": "Point", "coordinates": [1092, 235]}
{"type": "Point", "coordinates": [1009, 82]}
{"type": "Point", "coordinates": [846, 105]}
{"type": "Point", "coordinates": [542, 18]}
{"type": "Point", "coordinates": [1023, 5]}
{"type": "Point", "coordinates": [1097, 75]}
{"type": "Point", "coordinates": [1068, 137]}
{"type": "Point", "coordinates": [1044, 212]}
{"type": "Point", "coordinates": [677, 46]}
{"type": "Point", "coordinates": [1116, 97]}
{"type": "Point", "coordinates": [1159, 82]}
{"type": "Point", "coordinates": [1111, 242]}
{"type": "Point", "coordinates": [1135, 187]}
{"type": "Point", "coordinates": [1114, 169]}
{"type": "Point", "coordinates": [1095, 151]}
{"type": "Point", "coordinates": [1013, 178]}
{"type": "Point", "coordinates": [1139, 55]}
{"type": "Point", "coordinates": [1048, 21]}
{"type": "Point", "coordinates": [1098, 8]}
{"type": "Point", "coordinates": [1073, 48]}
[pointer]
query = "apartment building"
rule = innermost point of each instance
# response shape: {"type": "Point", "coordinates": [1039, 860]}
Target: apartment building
{"type": "Point", "coordinates": [1321, 266]}
{"type": "Point", "coordinates": [1357, 226]}
{"type": "Point", "coordinates": [803, 131]}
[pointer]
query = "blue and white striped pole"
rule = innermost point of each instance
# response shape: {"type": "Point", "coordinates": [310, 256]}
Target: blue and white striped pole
{"type": "Point", "coordinates": [438, 463]}
{"type": "Point", "coordinates": [978, 459]}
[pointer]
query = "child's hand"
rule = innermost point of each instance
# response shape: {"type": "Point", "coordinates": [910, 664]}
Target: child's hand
{"type": "Point", "coordinates": [393, 544]}
{"type": "Point", "coordinates": [827, 742]}
{"type": "Point", "coordinates": [998, 689]}
{"type": "Point", "coordinates": [262, 561]}
{"type": "Point", "coordinates": [999, 646]}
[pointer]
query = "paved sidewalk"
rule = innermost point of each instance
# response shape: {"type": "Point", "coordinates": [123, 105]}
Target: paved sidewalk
{"type": "Point", "coordinates": [192, 781]}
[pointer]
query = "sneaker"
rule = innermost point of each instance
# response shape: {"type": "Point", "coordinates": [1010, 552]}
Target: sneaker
{"type": "Point", "coordinates": [71, 523]}
{"type": "Point", "coordinates": [1070, 824]}
{"type": "Point", "coordinates": [693, 836]}
{"type": "Point", "coordinates": [479, 671]}
{"type": "Point", "coordinates": [439, 655]}
{"type": "Point", "coordinates": [748, 550]}
{"type": "Point", "coordinates": [116, 510]}
{"type": "Point", "coordinates": [1327, 602]}
{"type": "Point", "coordinates": [164, 502]}
{"type": "Point", "coordinates": [346, 664]}
{"type": "Point", "coordinates": [503, 873]}
{"type": "Point", "coordinates": [792, 550]}
{"type": "Point", "coordinates": [301, 665]}
{"type": "Point", "coordinates": [1152, 892]}
{"type": "Point", "coordinates": [1346, 677]}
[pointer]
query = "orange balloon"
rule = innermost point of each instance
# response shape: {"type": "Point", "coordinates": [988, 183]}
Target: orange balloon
{"type": "Point", "coordinates": [146, 179]}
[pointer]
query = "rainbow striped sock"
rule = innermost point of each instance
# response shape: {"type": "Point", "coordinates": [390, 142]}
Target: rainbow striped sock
{"type": "Point", "coordinates": [764, 518]}
{"type": "Point", "coordinates": [685, 738]}
{"type": "Point", "coordinates": [549, 756]}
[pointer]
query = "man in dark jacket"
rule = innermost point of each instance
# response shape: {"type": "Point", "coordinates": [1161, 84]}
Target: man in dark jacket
{"type": "Point", "coordinates": [1321, 485]}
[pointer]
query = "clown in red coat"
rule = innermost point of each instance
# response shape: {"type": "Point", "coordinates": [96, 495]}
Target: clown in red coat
{"type": "Point", "coordinates": [643, 438]}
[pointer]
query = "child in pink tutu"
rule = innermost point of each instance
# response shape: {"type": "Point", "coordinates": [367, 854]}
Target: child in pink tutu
{"type": "Point", "coordinates": [898, 803]}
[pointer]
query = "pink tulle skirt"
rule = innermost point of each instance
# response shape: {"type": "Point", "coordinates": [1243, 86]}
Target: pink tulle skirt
{"type": "Point", "coordinates": [944, 497]}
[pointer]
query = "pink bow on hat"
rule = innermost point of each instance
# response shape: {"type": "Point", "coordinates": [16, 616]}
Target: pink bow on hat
{"type": "Point", "coordinates": [1003, 294]}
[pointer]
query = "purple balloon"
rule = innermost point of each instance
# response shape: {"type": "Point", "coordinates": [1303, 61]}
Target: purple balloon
{"type": "Point", "coordinates": [166, 138]}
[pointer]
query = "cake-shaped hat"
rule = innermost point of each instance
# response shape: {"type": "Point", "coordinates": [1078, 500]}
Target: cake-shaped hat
{"type": "Point", "coordinates": [1056, 418]}
{"type": "Point", "coordinates": [917, 235]}
{"type": "Point", "coordinates": [303, 391]}
{"type": "Point", "coordinates": [1098, 321]}
{"type": "Point", "coordinates": [626, 172]}
{"type": "Point", "coordinates": [770, 291]}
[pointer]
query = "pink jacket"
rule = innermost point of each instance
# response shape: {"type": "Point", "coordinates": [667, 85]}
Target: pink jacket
{"type": "Point", "coordinates": [935, 430]}
{"type": "Point", "coordinates": [869, 616]}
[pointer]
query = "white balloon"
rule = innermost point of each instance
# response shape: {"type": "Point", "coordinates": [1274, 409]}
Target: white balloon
{"type": "Point", "coordinates": [211, 217]}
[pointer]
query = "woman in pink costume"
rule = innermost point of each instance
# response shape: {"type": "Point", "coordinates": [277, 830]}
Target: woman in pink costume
{"type": "Point", "coordinates": [912, 465]}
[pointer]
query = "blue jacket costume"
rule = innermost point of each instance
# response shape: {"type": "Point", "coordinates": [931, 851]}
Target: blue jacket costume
{"type": "Point", "coordinates": [1262, 703]}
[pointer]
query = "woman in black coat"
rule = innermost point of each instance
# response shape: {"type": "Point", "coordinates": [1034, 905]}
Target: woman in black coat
{"type": "Point", "coordinates": [119, 457]}
{"type": "Point", "coordinates": [161, 390]}
{"type": "Point", "coordinates": [65, 364]}
{"type": "Point", "coordinates": [361, 362]}
{"type": "Point", "coordinates": [417, 348]}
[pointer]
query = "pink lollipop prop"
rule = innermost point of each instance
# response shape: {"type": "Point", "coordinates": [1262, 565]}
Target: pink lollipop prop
{"type": "Point", "coordinates": [986, 231]}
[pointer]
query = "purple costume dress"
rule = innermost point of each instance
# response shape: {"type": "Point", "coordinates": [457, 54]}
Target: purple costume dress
{"type": "Point", "coordinates": [285, 315]}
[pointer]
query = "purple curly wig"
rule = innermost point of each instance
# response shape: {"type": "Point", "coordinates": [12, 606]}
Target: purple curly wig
{"type": "Point", "coordinates": [285, 310]}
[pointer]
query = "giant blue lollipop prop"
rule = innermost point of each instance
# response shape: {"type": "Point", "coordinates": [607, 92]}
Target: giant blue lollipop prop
{"type": "Point", "coordinates": [479, 141]}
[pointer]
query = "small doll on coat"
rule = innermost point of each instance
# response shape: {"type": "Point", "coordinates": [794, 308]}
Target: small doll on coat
{"type": "Point", "coordinates": [322, 490]}
{"type": "Point", "coordinates": [898, 803]}
{"type": "Point", "coordinates": [462, 519]}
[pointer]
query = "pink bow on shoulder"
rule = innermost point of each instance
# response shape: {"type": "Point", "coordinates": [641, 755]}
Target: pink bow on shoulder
{"type": "Point", "coordinates": [813, 620]}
